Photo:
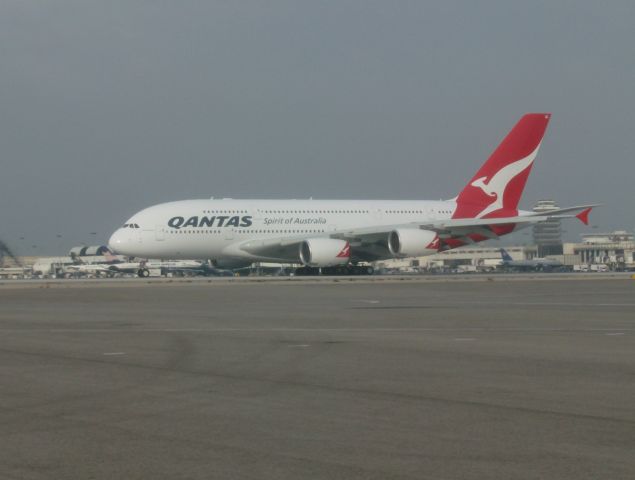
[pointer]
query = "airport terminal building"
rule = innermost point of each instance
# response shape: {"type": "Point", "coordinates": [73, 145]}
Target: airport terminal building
{"type": "Point", "coordinates": [615, 250]}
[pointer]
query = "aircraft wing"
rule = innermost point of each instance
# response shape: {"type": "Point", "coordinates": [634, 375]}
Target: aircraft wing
{"type": "Point", "coordinates": [370, 242]}
{"type": "Point", "coordinates": [461, 227]}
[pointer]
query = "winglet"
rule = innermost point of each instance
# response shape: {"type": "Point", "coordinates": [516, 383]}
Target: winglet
{"type": "Point", "coordinates": [583, 216]}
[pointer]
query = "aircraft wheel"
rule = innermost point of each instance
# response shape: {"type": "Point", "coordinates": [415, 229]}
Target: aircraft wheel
{"type": "Point", "coordinates": [143, 272]}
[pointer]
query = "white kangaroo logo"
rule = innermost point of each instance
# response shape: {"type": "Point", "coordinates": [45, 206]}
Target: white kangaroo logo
{"type": "Point", "coordinates": [496, 185]}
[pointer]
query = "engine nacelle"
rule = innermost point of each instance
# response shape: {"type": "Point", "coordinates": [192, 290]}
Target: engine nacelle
{"type": "Point", "coordinates": [412, 242]}
{"type": "Point", "coordinates": [324, 252]}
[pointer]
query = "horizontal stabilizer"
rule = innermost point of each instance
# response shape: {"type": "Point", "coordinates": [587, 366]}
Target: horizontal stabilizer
{"type": "Point", "coordinates": [577, 208]}
{"type": "Point", "coordinates": [583, 216]}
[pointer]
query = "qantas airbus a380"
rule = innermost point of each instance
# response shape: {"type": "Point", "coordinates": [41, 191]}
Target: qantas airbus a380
{"type": "Point", "coordinates": [335, 235]}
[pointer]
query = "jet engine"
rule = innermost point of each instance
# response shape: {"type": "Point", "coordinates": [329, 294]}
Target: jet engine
{"type": "Point", "coordinates": [324, 252]}
{"type": "Point", "coordinates": [412, 242]}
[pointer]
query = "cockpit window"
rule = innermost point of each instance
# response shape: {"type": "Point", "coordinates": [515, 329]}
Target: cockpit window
{"type": "Point", "coordinates": [125, 225]}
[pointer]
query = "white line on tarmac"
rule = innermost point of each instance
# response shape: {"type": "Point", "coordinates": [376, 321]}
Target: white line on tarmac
{"type": "Point", "coordinates": [523, 304]}
{"type": "Point", "coordinates": [115, 353]}
{"type": "Point", "coordinates": [552, 304]}
{"type": "Point", "coordinates": [509, 304]}
{"type": "Point", "coordinates": [309, 330]}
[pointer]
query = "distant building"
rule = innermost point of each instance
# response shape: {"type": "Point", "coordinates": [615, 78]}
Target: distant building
{"type": "Point", "coordinates": [618, 236]}
{"type": "Point", "coordinates": [547, 235]}
{"type": "Point", "coordinates": [478, 257]}
{"type": "Point", "coordinates": [616, 249]}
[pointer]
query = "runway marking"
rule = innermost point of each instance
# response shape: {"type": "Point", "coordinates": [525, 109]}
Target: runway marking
{"type": "Point", "coordinates": [467, 339]}
{"type": "Point", "coordinates": [302, 345]}
{"type": "Point", "coordinates": [555, 304]}
{"type": "Point", "coordinates": [614, 334]}
{"type": "Point", "coordinates": [509, 304]}
{"type": "Point", "coordinates": [115, 353]}
{"type": "Point", "coordinates": [308, 330]}
{"type": "Point", "coordinates": [368, 301]}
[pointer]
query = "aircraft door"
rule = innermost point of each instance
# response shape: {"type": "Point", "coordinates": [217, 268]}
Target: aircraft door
{"type": "Point", "coordinates": [159, 233]}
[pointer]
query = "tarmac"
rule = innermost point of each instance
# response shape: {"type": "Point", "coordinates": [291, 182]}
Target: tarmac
{"type": "Point", "coordinates": [399, 378]}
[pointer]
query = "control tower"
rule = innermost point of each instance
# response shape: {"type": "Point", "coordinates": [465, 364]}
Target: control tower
{"type": "Point", "coordinates": [547, 235]}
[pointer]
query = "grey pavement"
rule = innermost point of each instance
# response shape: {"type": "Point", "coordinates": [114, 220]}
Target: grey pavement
{"type": "Point", "coordinates": [527, 379]}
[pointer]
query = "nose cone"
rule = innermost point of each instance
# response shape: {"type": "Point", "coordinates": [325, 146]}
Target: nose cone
{"type": "Point", "coordinates": [118, 241]}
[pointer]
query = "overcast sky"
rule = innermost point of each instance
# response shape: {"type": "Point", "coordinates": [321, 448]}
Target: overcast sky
{"type": "Point", "coordinates": [108, 107]}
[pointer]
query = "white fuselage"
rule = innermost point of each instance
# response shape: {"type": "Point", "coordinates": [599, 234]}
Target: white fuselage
{"type": "Point", "coordinates": [214, 229]}
{"type": "Point", "coordinates": [336, 233]}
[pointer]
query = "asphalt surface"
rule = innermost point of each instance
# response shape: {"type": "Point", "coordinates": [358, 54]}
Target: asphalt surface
{"type": "Point", "coordinates": [528, 379]}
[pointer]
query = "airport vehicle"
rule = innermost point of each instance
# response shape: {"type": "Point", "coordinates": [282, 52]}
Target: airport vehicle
{"type": "Point", "coordinates": [598, 267]}
{"type": "Point", "coordinates": [333, 236]}
{"type": "Point", "coordinates": [534, 264]}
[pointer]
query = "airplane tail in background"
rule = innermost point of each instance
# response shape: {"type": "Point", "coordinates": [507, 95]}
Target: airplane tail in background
{"type": "Point", "coordinates": [505, 256]}
{"type": "Point", "coordinates": [110, 258]}
{"type": "Point", "coordinates": [496, 188]}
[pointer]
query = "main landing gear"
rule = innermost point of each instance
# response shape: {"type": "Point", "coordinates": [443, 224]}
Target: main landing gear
{"type": "Point", "coordinates": [343, 270]}
{"type": "Point", "coordinates": [143, 273]}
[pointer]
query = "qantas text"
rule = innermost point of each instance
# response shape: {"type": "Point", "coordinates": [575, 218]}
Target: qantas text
{"type": "Point", "coordinates": [216, 221]}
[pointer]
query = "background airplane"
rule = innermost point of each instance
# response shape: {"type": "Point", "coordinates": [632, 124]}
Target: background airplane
{"type": "Point", "coordinates": [533, 264]}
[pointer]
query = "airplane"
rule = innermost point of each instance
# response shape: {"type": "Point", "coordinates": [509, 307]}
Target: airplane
{"type": "Point", "coordinates": [187, 267]}
{"type": "Point", "coordinates": [116, 265]}
{"type": "Point", "coordinates": [87, 268]}
{"type": "Point", "coordinates": [336, 236]}
{"type": "Point", "coordinates": [142, 267]}
{"type": "Point", "coordinates": [109, 266]}
{"type": "Point", "coordinates": [533, 264]}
